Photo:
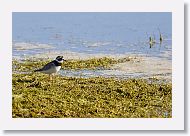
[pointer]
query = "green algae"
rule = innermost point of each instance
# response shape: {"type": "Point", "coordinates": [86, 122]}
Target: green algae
{"type": "Point", "coordinates": [34, 96]}
{"type": "Point", "coordinates": [94, 63]}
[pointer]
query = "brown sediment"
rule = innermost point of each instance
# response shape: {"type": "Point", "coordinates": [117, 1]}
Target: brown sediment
{"type": "Point", "coordinates": [29, 46]}
{"type": "Point", "coordinates": [159, 68]}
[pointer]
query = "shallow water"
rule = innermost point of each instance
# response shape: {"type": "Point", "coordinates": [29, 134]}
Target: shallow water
{"type": "Point", "coordinates": [88, 35]}
{"type": "Point", "coordinates": [115, 74]}
{"type": "Point", "coordinates": [92, 33]}
{"type": "Point", "coordinates": [85, 73]}
{"type": "Point", "coordinates": [99, 73]}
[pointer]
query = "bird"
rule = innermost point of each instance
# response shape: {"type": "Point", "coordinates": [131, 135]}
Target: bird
{"type": "Point", "coordinates": [52, 67]}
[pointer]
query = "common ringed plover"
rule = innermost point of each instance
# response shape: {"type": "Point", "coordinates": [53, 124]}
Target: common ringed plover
{"type": "Point", "coordinates": [52, 67]}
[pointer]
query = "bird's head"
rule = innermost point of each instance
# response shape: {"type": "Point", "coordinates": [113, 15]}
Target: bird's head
{"type": "Point", "coordinates": [59, 59]}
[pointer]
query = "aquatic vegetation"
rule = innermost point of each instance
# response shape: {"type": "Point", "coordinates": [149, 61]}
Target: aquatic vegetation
{"type": "Point", "coordinates": [34, 96]}
{"type": "Point", "coordinates": [95, 63]}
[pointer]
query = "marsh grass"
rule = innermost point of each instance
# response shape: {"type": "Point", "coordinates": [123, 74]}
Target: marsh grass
{"type": "Point", "coordinates": [34, 96]}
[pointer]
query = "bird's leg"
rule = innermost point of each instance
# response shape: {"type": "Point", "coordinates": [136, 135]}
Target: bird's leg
{"type": "Point", "coordinates": [50, 77]}
{"type": "Point", "coordinates": [55, 76]}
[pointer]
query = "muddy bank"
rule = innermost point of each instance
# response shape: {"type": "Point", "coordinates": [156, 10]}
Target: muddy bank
{"type": "Point", "coordinates": [151, 67]}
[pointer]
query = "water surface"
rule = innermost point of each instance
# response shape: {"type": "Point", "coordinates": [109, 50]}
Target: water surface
{"type": "Point", "coordinates": [96, 33]}
{"type": "Point", "coordinates": [109, 33]}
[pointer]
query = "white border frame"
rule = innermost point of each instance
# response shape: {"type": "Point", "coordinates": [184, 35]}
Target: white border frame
{"type": "Point", "coordinates": [174, 6]}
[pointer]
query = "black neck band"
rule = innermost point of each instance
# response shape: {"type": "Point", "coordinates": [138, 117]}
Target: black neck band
{"type": "Point", "coordinates": [57, 63]}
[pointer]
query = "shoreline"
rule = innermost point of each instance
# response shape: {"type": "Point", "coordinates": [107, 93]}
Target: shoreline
{"type": "Point", "coordinates": [134, 65]}
{"type": "Point", "coordinates": [149, 96]}
{"type": "Point", "coordinates": [40, 51]}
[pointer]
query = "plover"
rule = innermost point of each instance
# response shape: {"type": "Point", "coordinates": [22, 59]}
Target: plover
{"type": "Point", "coordinates": [52, 67]}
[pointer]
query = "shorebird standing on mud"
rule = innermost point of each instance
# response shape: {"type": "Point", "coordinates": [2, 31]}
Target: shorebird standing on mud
{"type": "Point", "coordinates": [52, 67]}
